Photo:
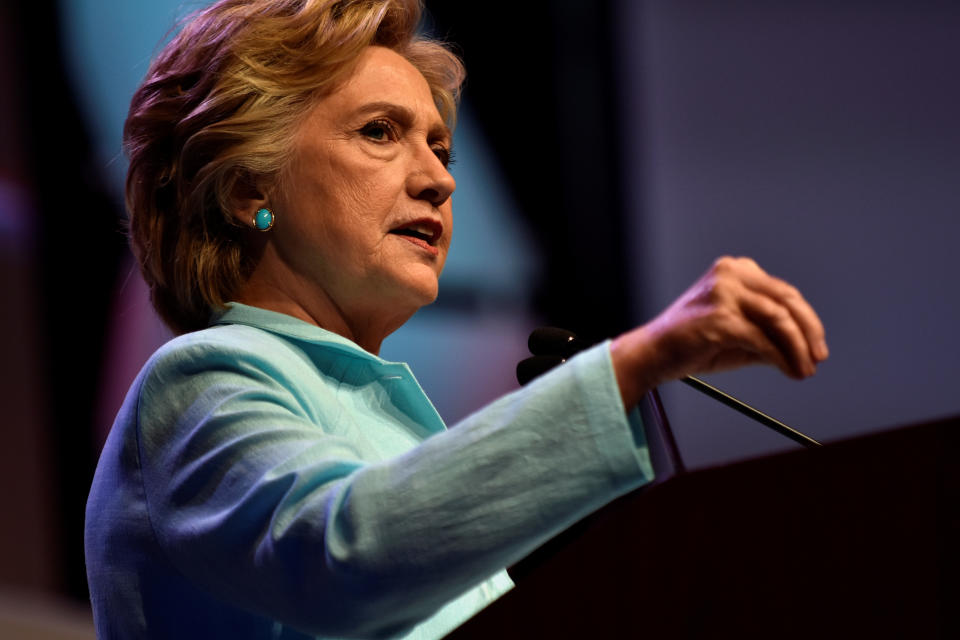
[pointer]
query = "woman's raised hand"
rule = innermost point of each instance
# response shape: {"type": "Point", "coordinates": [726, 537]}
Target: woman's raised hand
{"type": "Point", "coordinates": [736, 314]}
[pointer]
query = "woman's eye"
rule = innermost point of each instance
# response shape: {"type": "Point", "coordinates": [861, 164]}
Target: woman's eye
{"type": "Point", "coordinates": [379, 130]}
{"type": "Point", "coordinates": [444, 154]}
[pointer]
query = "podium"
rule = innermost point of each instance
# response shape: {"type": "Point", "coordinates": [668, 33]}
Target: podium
{"type": "Point", "coordinates": [857, 539]}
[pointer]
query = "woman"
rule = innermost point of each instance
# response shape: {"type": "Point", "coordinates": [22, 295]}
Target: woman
{"type": "Point", "coordinates": [269, 476]}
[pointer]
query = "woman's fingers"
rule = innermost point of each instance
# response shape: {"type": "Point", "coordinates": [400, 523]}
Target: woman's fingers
{"type": "Point", "coordinates": [776, 323]}
{"type": "Point", "coordinates": [785, 294]}
{"type": "Point", "coordinates": [735, 315]}
{"type": "Point", "coordinates": [754, 347]}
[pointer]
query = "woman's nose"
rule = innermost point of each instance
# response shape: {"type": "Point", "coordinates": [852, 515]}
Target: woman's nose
{"type": "Point", "coordinates": [430, 180]}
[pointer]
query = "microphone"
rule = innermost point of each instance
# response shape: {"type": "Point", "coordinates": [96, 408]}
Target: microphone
{"type": "Point", "coordinates": [552, 346]}
{"type": "Point", "coordinates": [554, 341]}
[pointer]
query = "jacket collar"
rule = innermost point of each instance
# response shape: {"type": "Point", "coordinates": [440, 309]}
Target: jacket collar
{"type": "Point", "coordinates": [289, 327]}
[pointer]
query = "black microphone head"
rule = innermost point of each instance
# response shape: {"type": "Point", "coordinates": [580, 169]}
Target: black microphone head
{"type": "Point", "coordinates": [553, 341]}
{"type": "Point", "coordinates": [532, 367]}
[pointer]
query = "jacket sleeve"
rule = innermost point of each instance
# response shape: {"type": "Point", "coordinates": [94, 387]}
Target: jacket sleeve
{"type": "Point", "coordinates": [252, 501]}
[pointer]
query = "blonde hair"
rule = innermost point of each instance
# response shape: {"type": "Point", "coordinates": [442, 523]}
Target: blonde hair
{"type": "Point", "coordinates": [219, 107]}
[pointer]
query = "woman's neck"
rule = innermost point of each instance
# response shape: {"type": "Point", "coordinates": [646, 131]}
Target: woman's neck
{"type": "Point", "coordinates": [293, 296]}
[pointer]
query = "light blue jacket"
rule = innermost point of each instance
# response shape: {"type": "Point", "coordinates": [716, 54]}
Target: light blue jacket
{"type": "Point", "coordinates": [269, 479]}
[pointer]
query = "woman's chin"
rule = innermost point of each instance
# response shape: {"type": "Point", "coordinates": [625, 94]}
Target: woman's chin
{"type": "Point", "coordinates": [422, 283]}
{"type": "Point", "coordinates": [415, 291]}
{"type": "Point", "coordinates": [427, 292]}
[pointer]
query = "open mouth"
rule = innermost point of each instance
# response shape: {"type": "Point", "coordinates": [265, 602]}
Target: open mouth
{"type": "Point", "coordinates": [427, 232]}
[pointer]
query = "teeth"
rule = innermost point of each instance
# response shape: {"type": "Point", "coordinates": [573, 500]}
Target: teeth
{"type": "Point", "coordinates": [429, 233]}
{"type": "Point", "coordinates": [425, 231]}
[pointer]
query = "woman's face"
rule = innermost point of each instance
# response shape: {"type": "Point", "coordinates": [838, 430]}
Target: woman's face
{"type": "Point", "coordinates": [364, 215]}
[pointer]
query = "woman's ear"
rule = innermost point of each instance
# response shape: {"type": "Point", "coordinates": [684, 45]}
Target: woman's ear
{"type": "Point", "coordinates": [246, 198]}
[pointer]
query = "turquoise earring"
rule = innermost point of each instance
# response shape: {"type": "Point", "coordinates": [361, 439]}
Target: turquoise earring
{"type": "Point", "coordinates": [263, 220]}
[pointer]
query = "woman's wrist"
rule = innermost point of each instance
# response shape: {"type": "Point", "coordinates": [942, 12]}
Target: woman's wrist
{"type": "Point", "coordinates": [633, 364]}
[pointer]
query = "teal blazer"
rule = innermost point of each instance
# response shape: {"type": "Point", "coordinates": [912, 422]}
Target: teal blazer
{"type": "Point", "coordinates": [266, 478]}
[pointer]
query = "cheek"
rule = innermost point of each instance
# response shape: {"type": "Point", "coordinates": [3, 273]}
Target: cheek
{"type": "Point", "coordinates": [336, 181]}
{"type": "Point", "coordinates": [366, 193]}
{"type": "Point", "coordinates": [342, 207]}
{"type": "Point", "coordinates": [446, 211]}
{"type": "Point", "coordinates": [355, 170]}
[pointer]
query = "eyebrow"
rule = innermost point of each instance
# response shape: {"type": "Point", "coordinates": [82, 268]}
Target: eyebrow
{"type": "Point", "coordinates": [404, 116]}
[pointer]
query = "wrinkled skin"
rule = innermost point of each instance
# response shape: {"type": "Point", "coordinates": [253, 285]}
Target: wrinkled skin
{"type": "Point", "coordinates": [369, 157]}
{"type": "Point", "coordinates": [734, 315]}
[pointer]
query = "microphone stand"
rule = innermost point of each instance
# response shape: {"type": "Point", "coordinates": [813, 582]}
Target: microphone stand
{"type": "Point", "coordinates": [552, 346]}
{"type": "Point", "coordinates": [750, 412]}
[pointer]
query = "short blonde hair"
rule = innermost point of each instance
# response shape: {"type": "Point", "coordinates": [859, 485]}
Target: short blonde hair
{"type": "Point", "coordinates": [220, 104]}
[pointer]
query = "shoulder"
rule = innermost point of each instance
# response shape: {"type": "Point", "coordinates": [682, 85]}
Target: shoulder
{"type": "Point", "coordinates": [226, 350]}
{"type": "Point", "coordinates": [222, 343]}
{"type": "Point", "coordinates": [200, 371]}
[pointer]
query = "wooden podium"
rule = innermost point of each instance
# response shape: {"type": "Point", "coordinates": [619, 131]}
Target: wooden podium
{"type": "Point", "coordinates": [858, 539]}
